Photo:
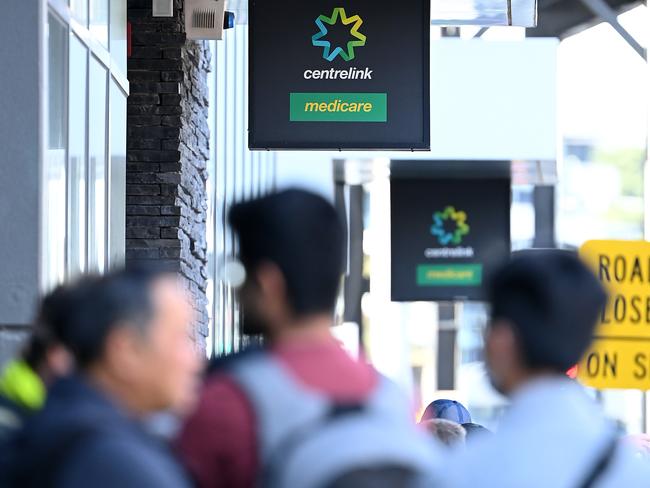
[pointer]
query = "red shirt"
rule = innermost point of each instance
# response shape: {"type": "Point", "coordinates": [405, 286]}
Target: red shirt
{"type": "Point", "coordinates": [218, 443]}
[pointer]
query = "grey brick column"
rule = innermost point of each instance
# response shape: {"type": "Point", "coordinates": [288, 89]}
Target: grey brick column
{"type": "Point", "coordinates": [168, 149]}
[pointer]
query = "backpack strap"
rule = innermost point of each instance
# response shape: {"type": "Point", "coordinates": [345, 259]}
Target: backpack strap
{"type": "Point", "coordinates": [601, 465]}
{"type": "Point", "coordinates": [274, 465]}
{"type": "Point", "coordinates": [282, 405]}
{"type": "Point", "coordinates": [374, 437]}
{"type": "Point", "coordinates": [291, 416]}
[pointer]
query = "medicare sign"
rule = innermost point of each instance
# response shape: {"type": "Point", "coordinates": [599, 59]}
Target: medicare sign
{"type": "Point", "coordinates": [448, 232]}
{"type": "Point", "coordinates": [339, 75]}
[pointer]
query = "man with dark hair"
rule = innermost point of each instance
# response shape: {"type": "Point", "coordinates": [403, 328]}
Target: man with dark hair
{"type": "Point", "coordinates": [265, 413]}
{"type": "Point", "coordinates": [544, 310]}
{"type": "Point", "coordinates": [292, 245]}
{"type": "Point", "coordinates": [129, 333]}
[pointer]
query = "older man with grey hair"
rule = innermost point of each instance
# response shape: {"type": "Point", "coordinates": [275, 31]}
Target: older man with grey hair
{"type": "Point", "coordinates": [449, 433]}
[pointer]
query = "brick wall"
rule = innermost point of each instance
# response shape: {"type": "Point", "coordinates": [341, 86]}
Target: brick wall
{"type": "Point", "coordinates": [168, 148]}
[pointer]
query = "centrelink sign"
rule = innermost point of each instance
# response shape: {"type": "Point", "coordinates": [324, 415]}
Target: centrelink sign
{"type": "Point", "coordinates": [339, 75]}
{"type": "Point", "coordinates": [450, 227]}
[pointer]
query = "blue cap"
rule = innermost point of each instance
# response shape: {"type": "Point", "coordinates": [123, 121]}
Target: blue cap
{"type": "Point", "coordinates": [448, 410]}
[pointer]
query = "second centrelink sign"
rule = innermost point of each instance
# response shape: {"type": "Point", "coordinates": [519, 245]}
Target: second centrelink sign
{"type": "Point", "coordinates": [450, 227]}
{"type": "Point", "coordinates": [339, 75]}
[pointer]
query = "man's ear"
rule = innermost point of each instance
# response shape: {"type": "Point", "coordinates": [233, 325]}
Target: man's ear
{"type": "Point", "coordinates": [271, 280]}
{"type": "Point", "coordinates": [272, 286]}
{"type": "Point", "coordinates": [59, 361]}
{"type": "Point", "coordinates": [121, 350]}
{"type": "Point", "coordinates": [501, 345]}
{"type": "Point", "coordinates": [501, 336]}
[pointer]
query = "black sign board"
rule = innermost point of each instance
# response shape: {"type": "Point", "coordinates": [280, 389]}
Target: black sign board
{"type": "Point", "coordinates": [330, 75]}
{"type": "Point", "coordinates": [447, 233]}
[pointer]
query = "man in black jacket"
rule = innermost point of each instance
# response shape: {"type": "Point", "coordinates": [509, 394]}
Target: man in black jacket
{"type": "Point", "coordinates": [129, 332]}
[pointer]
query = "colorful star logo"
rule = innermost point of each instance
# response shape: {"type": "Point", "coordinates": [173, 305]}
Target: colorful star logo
{"type": "Point", "coordinates": [330, 54]}
{"type": "Point", "coordinates": [438, 228]}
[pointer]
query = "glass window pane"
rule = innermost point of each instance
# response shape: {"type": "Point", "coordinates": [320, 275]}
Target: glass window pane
{"type": "Point", "coordinates": [97, 167]}
{"type": "Point", "coordinates": [80, 11]}
{"type": "Point", "coordinates": [99, 20]}
{"type": "Point", "coordinates": [117, 180]}
{"type": "Point", "coordinates": [118, 33]}
{"type": "Point", "coordinates": [54, 168]}
{"type": "Point", "coordinates": [77, 157]}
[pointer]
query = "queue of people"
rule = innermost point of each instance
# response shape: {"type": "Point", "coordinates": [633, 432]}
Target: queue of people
{"type": "Point", "coordinates": [109, 352]}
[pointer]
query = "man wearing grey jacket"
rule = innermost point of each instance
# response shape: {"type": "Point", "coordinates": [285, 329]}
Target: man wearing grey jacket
{"type": "Point", "coordinates": [544, 310]}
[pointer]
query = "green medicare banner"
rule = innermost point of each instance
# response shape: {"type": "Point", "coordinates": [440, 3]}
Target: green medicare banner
{"type": "Point", "coordinates": [338, 107]}
{"type": "Point", "coordinates": [450, 274]}
{"type": "Point", "coordinates": [329, 75]}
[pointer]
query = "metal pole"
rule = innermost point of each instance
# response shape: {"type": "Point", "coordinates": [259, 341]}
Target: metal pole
{"type": "Point", "coordinates": [644, 412]}
{"type": "Point", "coordinates": [480, 32]}
{"type": "Point", "coordinates": [646, 230]}
{"type": "Point", "coordinates": [544, 203]}
{"type": "Point", "coordinates": [602, 9]}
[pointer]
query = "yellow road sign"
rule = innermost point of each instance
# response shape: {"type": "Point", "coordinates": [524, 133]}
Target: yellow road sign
{"type": "Point", "coordinates": [620, 354]}
{"type": "Point", "coordinates": [616, 363]}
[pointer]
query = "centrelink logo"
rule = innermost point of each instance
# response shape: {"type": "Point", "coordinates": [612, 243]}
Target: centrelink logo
{"type": "Point", "coordinates": [442, 232]}
{"type": "Point", "coordinates": [346, 54]}
{"type": "Point", "coordinates": [450, 227]}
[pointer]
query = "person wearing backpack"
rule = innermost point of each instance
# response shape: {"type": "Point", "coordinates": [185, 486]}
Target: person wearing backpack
{"type": "Point", "coordinates": [299, 412]}
{"type": "Point", "coordinates": [129, 332]}
{"type": "Point", "coordinates": [544, 308]}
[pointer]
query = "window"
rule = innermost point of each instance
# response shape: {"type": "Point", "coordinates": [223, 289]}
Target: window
{"type": "Point", "coordinates": [97, 167]}
{"type": "Point", "coordinates": [77, 125]}
{"type": "Point", "coordinates": [118, 34]}
{"type": "Point", "coordinates": [80, 11]}
{"type": "Point", "coordinates": [54, 165]}
{"type": "Point", "coordinates": [117, 180]}
{"type": "Point", "coordinates": [98, 16]}
{"type": "Point", "coordinates": [234, 174]}
{"type": "Point", "coordinates": [84, 168]}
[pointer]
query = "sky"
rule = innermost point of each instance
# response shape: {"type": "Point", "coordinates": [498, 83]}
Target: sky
{"type": "Point", "coordinates": [603, 84]}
